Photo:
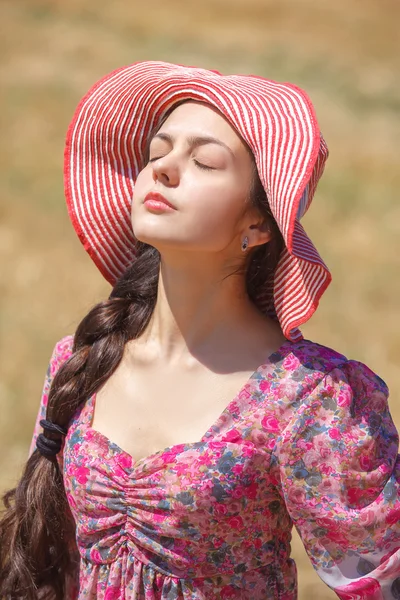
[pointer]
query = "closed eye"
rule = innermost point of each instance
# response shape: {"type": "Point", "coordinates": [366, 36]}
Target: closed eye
{"type": "Point", "coordinates": [196, 162]}
{"type": "Point", "coordinates": [201, 166]}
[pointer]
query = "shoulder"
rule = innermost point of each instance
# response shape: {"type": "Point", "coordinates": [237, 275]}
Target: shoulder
{"type": "Point", "coordinates": [301, 366]}
{"type": "Point", "coordinates": [336, 403]}
{"type": "Point", "coordinates": [321, 359]}
{"type": "Point", "coordinates": [65, 345]}
{"type": "Point", "coordinates": [313, 357]}
{"type": "Point", "coordinates": [314, 369]}
{"type": "Point", "coordinates": [62, 350]}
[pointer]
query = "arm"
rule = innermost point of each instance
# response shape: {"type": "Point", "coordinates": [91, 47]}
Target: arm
{"type": "Point", "coordinates": [340, 479]}
{"type": "Point", "coordinates": [61, 352]}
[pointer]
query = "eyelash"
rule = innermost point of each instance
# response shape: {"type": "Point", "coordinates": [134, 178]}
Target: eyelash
{"type": "Point", "coordinates": [203, 167]}
{"type": "Point", "coordinates": [197, 163]}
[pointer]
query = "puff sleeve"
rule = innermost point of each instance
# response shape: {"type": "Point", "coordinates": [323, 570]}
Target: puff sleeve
{"type": "Point", "coordinates": [339, 474]}
{"type": "Point", "coordinates": [61, 352]}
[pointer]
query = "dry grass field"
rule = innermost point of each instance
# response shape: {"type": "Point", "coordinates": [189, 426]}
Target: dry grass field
{"type": "Point", "coordinates": [343, 53]}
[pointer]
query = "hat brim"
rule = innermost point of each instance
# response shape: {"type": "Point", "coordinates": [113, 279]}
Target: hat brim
{"type": "Point", "coordinates": [105, 150]}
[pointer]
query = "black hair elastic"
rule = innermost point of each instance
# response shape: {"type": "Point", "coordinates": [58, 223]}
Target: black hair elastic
{"type": "Point", "coordinates": [46, 446]}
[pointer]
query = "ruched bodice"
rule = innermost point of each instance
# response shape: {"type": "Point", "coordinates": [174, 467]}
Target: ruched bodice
{"type": "Point", "coordinates": [185, 511]}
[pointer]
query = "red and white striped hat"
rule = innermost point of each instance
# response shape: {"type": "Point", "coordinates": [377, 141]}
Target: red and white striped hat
{"type": "Point", "coordinates": [105, 149]}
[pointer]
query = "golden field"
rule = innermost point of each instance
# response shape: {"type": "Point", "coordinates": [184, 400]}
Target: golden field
{"type": "Point", "coordinates": [344, 54]}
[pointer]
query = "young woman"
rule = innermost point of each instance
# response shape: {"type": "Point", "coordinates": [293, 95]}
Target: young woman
{"type": "Point", "coordinates": [187, 425]}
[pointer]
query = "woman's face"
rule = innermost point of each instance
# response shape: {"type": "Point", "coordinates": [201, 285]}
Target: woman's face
{"type": "Point", "coordinates": [202, 167]}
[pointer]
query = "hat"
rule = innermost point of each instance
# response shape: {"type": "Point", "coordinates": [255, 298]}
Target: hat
{"type": "Point", "coordinates": [105, 150]}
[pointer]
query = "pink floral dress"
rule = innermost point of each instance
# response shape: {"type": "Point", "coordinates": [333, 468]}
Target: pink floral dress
{"type": "Point", "coordinates": [308, 441]}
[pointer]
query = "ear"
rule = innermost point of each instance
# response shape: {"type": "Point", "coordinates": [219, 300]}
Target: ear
{"type": "Point", "coordinates": [258, 233]}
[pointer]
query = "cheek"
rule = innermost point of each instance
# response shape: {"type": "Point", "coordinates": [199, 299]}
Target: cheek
{"type": "Point", "coordinates": [216, 207]}
{"type": "Point", "coordinates": [215, 200]}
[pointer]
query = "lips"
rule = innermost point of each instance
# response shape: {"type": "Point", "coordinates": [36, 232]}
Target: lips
{"type": "Point", "coordinates": [158, 198]}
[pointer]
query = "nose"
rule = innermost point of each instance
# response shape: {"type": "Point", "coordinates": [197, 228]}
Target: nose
{"type": "Point", "coordinates": [166, 170]}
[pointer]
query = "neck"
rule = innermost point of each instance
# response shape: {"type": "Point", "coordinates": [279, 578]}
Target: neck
{"type": "Point", "coordinates": [197, 308]}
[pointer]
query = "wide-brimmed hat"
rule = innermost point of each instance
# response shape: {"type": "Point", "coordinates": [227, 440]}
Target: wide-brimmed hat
{"type": "Point", "coordinates": [105, 150]}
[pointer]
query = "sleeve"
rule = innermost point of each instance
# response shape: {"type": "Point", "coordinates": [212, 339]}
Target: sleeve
{"type": "Point", "coordinates": [340, 478]}
{"type": "Point", "coordinates": [61, 352]}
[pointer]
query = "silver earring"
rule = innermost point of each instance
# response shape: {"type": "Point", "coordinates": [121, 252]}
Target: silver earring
{"type": "Point", "coordinates": [245, 243]}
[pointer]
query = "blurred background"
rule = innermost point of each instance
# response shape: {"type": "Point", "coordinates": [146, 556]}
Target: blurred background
{"type": "Point", "coordinates": [345, 54]}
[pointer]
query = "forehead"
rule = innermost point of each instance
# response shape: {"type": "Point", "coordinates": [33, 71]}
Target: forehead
{"type": "Point", "coordinates": [198, 119]}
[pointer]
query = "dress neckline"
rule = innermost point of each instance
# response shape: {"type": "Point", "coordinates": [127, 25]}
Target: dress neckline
{"type": "Point", "coordinates": [277, 356]}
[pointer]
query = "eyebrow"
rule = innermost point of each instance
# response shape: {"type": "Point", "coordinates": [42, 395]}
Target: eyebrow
{"type": "Point", "coordinates": [195, 140]}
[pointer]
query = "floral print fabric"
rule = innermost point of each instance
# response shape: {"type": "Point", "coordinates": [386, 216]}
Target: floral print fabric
{"type": "Point", "coordinates": [308, 441]}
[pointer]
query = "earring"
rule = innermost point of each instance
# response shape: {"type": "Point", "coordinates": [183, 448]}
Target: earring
{"type": "Point", "coordinates": [245, 243]}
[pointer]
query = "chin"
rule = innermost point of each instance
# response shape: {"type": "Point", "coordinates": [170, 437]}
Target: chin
{"type": "Point", "coordinates": [150, 238]}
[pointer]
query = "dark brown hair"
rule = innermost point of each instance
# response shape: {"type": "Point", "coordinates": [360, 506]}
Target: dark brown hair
{"type": "Point", "coordinates": [37, 532]}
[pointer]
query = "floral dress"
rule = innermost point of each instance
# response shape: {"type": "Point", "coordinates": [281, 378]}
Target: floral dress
{"type": "Point", "coordinates": [308, 441]}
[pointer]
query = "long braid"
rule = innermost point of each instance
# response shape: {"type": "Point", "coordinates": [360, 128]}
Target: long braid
{"type": "Point", "coordinates": [37, 548]}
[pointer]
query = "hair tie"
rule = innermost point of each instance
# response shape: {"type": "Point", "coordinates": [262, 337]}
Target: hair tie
{"type": "Point", "coordinates": [46, 446]}
{"type": "Point", "coordinates": [52, 427]}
